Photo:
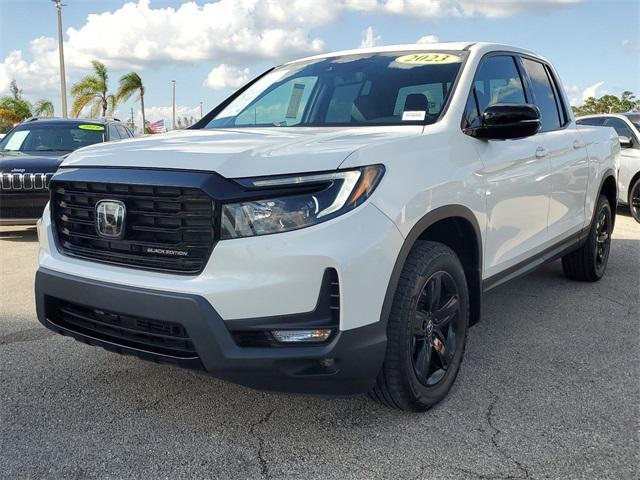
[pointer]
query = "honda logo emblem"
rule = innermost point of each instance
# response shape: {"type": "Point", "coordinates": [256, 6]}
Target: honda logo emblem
{"type": "Point", "coordinates": [110, 216]}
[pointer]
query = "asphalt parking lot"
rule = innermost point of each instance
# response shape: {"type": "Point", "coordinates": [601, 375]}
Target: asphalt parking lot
{"type": "Point", "coordinates": [549, 389]}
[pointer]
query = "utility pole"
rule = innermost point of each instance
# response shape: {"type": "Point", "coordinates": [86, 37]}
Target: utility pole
{"type": "Point", "coordinates": [200, 110]}
{"type": "Point", "coordinates": [133, 125]}
{"type": "Point", "coordinates": [173, 82]}
{"type": "Point", "coordinates": [63, 80]}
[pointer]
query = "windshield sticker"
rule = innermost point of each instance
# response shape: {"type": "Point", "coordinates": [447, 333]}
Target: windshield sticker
{"type": "Point", "coordinates": [413, 115]}
{"type": "Point", "coordinates": [294, 100]}
{"type": "Point", "coordinates": [91, 127]}
{"type": "Point", "coordinates": [16, 140]}
{"type": "Point", "coordinates": [428, 59]}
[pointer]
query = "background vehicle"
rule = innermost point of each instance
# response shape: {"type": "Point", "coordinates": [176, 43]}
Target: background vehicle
{"type": "Point", "coordinates": [331, 227]}
{"type": "Point", "coordinates": [627, 126]}
{"type": "Point", "coordinates": [32, 151]}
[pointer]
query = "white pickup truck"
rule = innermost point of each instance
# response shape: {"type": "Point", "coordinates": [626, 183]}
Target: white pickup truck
{"type": "Point", "coordinates": [331, 227]}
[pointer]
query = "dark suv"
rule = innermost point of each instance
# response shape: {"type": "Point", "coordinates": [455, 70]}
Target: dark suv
{"type": "Point", "coordinates": [31, 153]}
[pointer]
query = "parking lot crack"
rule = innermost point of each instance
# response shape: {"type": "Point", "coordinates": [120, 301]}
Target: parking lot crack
{"type": "Point", "coordinates": [489, 416]}
{"type": "Point", "coordinates": [264, 466]}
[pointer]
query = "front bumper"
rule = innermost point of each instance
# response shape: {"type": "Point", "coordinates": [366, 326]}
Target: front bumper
{"type": "Point", "coordinates": [22, 208]}
{"type": "Point", "coordinates": [348, 364]}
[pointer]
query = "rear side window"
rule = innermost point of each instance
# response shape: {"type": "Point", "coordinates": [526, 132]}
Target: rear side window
{"type": "Point", "coordinates": [543, 95]}
{"type": "Point", "coordinates": [497, 81]}
{"type": "Point", "coordinates": [122, 131]}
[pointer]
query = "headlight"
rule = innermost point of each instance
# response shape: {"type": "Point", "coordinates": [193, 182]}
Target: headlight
{"type": "Point", "coordinates": [312, 199]}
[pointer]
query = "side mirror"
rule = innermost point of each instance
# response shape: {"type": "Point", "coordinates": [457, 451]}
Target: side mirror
{"type": "Point", "coordinates": [625, 142]}
{"type": "Point", "coordinates": [504, 121]}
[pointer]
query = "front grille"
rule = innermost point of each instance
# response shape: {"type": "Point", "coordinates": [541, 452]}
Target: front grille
{"type": "Point", "coordinates": [166, 228]}
{"type": "Point", "coordinates": [154, 336]}
{"type": "Point", "coordinates": [22, 205]}
{"type": "Point", "coordinates": [25, 181]}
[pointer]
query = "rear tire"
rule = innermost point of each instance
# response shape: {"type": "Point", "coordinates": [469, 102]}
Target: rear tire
{"type": "Point", "coordinates": [589, 262]}
{"type": "Point", "coordinates": [427, 330]}
{"type": "Point", "coordinates": [634, 200]}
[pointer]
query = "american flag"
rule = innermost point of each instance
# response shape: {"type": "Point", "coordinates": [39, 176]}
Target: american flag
{"type": "Point", "coordinates": [157, 127]}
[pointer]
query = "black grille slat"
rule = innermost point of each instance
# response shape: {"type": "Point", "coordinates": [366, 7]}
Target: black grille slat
{"type": "Point", "coordinates": [155, 336]}
{"type": "Point", "coordinates": [166, 228]}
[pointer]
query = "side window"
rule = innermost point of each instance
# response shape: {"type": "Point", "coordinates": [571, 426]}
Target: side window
{"type": "Point", "coordinates": [594, 121]}
{"type": "Point", "coordinates": [622, 129]}
{"type": "Point", "coordinates": [497, 81]}
{"type": "Point", "coordinates": [122, 131]}
{"type": "Point", "coordinates": [543, 95]}
{"type": "Point", "coordinates": [113, 133]}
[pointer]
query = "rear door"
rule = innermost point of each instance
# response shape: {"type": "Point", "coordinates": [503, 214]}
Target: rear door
{"type": "Point", "coordinates": [516, 177]}
{"type": "Point", "coordinates": [560, 142]}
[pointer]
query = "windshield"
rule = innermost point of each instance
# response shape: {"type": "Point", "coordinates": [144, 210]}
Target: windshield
{"type": "Point", "coordinates": [390, 88]}
{"type": "Point", "coordinates": [52, 138]}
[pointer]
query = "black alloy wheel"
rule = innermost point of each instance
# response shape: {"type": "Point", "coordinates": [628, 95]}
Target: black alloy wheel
{"type": "Point", "coordinates": [436, 327]}
{"type": "Point", "coordinates": [634, 200]}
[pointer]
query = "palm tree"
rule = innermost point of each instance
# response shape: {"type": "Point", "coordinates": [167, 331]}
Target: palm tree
{"type": "Point", "coordinates": [92, 90]}
{"type": "Point", "coordinates": [43, 108]}
{"type": "Point", "coordinates": [130, 84]}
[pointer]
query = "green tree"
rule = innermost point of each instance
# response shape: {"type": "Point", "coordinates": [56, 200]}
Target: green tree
{"type": "Point", "coordinates": [14, 108]}
{"type": "Point", "coordinates": [131, 84]}
{"type": "Point", "coordinates": [608, 104]}
{"type": "Point", "coordinates": [43, 108]}
{"type": "Point", "coordinates": [92, 91]}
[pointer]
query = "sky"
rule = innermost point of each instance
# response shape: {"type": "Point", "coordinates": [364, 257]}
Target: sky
{"type": "Point", "coordinates": [212, 47]}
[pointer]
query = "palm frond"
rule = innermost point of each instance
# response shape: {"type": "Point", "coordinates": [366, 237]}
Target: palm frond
{"type": "Point", "coordinates": [129, 84]}
{"type": "Point", "coordinates": [96, 108]}
{"type": "Point", "coordinates": [44, 108]}
{"type": "Point", "coordinates": [101, 73]}
{"type": "Point", "coordinates": [112, 101]}
{"type": "Point", "coordinates": [80, 102]}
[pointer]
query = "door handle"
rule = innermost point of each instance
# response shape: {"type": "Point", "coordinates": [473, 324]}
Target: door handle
{"type": "Point", "coordinates": [577, 144]}
{"type": "Point", "coordinates": [541, 152]}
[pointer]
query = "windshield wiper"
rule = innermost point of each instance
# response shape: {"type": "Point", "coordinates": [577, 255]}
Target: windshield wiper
{"type": "Point", "coordinates": [53, 150]}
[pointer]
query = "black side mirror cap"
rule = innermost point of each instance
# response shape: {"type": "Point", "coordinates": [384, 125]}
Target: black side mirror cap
{"type": "Point", "coordinates": [504, 121]}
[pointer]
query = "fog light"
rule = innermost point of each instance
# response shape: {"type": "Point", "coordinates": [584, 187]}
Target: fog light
{"type": "Point", "coordinates": [302, 336]}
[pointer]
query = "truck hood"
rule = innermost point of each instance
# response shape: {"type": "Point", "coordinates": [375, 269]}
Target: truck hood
{"type": "Point", "coordinates": [27, 162]}
{"type": "Point", "coordinates": [242, 152]}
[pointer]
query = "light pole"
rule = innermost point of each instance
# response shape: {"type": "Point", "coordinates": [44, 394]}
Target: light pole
{"type": "Point", "coordinates": [173, 83]}
{"type": "Point", "coordinates": [200, 110]}
{"type": "Point", "coordinates": [63, 80]}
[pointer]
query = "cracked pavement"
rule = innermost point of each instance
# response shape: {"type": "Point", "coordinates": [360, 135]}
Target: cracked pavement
{"type": "Point", "coordinates": [548, 389]}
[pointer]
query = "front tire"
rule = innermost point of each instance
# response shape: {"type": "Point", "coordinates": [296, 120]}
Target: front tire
{"type": "Point", "coordinates": [427, 330]}
{"type": "Point", "coordinates": [634, 200]}
{"type": "Point", "coordinates": [589, 262]}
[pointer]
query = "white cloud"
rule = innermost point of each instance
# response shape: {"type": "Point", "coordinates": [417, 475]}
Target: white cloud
{"type": "Point", "coordinates": [231, 32]}
{"type": "Point", "coordinates": [37, 76]}
{"type": "Point", "coordinates": [370, 39]}
{"type": "Point", "coordinates": [592, 91]}
{"type": "Point", "coordinates": [428, 39]}
{"type": "Point", "coordinates": [226, 76]}
{"type": "Point", "coordinates": [166, 113]}
{"type": "Point", "coordinates": [457, 8]}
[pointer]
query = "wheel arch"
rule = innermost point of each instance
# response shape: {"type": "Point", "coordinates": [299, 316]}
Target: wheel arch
{"type": "Point", "coordinates": [452, 225]}
{"type": "Point", "coordinates": [630, 186]}
{"type": "Point", "coordinates": [608, 188]}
